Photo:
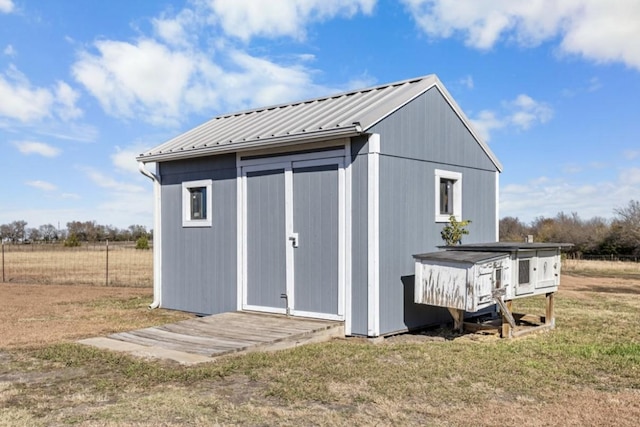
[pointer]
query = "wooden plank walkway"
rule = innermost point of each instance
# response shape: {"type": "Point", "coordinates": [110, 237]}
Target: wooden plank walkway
{"type": "Point", "coordinates": [200, 339]}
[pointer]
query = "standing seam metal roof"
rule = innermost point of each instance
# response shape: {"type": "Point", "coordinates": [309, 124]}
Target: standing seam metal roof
{"type": "Point", "coordinates": [341, 115]}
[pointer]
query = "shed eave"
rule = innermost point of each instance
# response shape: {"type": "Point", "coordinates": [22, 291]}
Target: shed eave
{"type": "Point", "coordinates": [343, 132]}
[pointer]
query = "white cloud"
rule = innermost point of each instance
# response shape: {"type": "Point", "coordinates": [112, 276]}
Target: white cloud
{"type": "Point", "coordinates": [594, 29]}
{"type": "Point", "coordinates": [70, 196]}
{"type": "Point", "coordinates": [42, 185]}
{"type": "Point", "coordinates": [487, 121]}
{"type": "Point", "coordinates": [23, 102]}
{"type": "Point", "coordinates": [245, 19]}
{"type": "Point", "coordinates": [66, 99]}
{"type": "Point", "coordinates": [192, 63]}
{"type": "Point", "coordinates": [526, 112]}
{"type": "Point", "coordinates": [20, 100]}
{"type": "Point", "coordinates": [631, 176]}
{"type": "Point", "coordinates": [521, 113]}
{"type": "Point", "coordinates": [124, 159]}
{"type": "Point", "coordinates": [260, 82]}
{"type": "Point", "coordinates": [152, 82]}
{"type": "Point", "coordinates": [71, 131]}
{"type": "Point", "coordinates": [591, 85]}
{"type": "Point", "coordinates": [594, 84]}
{"type": "Point", "coordinates": [34, 147]}
{"type": "Point", "coordinates": [572, 168]}
{"type": "Point", "coordinates": [127, 208]}
{"type": "Point", "coordinates": [9, 51]}
{"type": "Point", "coordinates": [121, 202]}
{"type": "Point", "coordinates": [631, 154]}
{"type": "Point", "coordinates": [6, 6]}
{"type": "Point", "coordinates": [550, 196]}
{"type": "Point", "coordinates": [123, 76]}
{"type": "Point", "coordinates": [175, 31]}
{"type": "Point", "coordinates": [467, 82]}
{"type": "Point", "coordinates": [106, 181]}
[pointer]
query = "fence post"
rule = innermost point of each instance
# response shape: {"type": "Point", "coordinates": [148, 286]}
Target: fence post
{"type": "Point", "coordinates": [2, 262]}
{"type": "Point", "coordinates": [107, 269]}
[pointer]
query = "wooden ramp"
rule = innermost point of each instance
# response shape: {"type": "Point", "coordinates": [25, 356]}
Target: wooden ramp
{"type": "Point", "coordinates": [200, 339]}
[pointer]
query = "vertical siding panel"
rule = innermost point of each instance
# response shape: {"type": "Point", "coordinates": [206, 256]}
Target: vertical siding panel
{"type": "Point", "coordinates": [199, 264]}
{"type": "Point", "coordinates": [266, 239]}
{"type": "Point", "coordinates": [315, 219]}
{"type": "Point", "coordinates": [359, 243]}
{"type": "Point", "coordinates": [407, 227]}
{"type": "Point", "coordinates": [428, 129]}
{"type": "Point", "coordinates": [422, 136]}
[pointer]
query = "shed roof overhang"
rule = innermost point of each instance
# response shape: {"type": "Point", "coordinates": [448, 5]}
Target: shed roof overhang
{"type": "Point", "coordinates": [343, 115]}
{"type": "Point", "coordinates": [276, 141]}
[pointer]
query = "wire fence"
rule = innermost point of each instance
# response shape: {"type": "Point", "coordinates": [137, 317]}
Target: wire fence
{"type": "Point", "coordinates": [590, 257]}
{"type": "Point", "coordinates": [98, 264]}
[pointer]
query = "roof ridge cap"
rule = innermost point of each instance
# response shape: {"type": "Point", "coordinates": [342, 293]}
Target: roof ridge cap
{"type": "Point", "coordinates": [325, 97]}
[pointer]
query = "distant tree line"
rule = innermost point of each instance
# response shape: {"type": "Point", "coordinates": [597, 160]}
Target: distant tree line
{"type": "Point", "coordinates": [87, 231]}
{"type": "Point", "coordinates": [595, 236]}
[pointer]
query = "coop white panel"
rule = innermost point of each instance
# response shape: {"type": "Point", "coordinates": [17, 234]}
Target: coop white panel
{"type": "Point", "coordinates": [441, 285]}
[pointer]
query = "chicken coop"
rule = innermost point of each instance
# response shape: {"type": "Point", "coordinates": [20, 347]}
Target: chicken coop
{"type": "Point", "coordinates": [468, 278]}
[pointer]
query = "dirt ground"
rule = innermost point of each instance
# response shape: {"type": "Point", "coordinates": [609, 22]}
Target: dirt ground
{"type": "Point", "coordinates": [36, 315]}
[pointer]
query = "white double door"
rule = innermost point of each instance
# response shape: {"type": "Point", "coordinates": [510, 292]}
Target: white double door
{"type": "Point", "coordinates": [294, 237]}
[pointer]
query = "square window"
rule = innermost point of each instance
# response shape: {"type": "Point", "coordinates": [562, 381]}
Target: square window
{"type": "Point", "coordinates": [196, 203]}
{"type": "Point", "coordinates": [448, 199]}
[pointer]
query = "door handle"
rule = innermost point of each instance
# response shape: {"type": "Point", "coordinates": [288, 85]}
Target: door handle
{"type": "Point", "coordinates": [294, 239]}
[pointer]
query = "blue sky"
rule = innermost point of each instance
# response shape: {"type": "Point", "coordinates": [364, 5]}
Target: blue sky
{"type": "Point", "coordinates": [554, 88]}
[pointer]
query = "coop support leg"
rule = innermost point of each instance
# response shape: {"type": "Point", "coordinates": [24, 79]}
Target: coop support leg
{"type": "Point", "coordinates": [458, 318]}
{"type": "Point", "coordinates": [508, 322]}
{"type": "Point", "coordinates": [550, 316]}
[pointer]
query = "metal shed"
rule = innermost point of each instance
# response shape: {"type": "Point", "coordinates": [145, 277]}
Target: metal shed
{"type": "Point", "coordinates": [314, 208]}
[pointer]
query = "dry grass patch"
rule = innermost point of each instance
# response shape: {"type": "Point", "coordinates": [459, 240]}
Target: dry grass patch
{"type": "Point", "coordinates": [55, 264]}
{"type": "Point", "coordinates": [37, 315]}
{"type": "Point", "coordinates": [617, 269]}
{"type": "Point", "coordinates": [585, 372]}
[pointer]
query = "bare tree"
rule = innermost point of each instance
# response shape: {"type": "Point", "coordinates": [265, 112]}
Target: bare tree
{"type": "Point", "coordinates": [5, 232]}
{"type": "Point", "coordinates": [626, 228]}
{"type": "Point", "coordinates": [111, 233]}
{"type": "Point", "coordinates": [76, 228]}
{"type": "Point", "coordinates": [629, 218]}
{"type": "Point", "coordinates": [33, 234]}
{"type": "Point", "coordinates": [137, 231]}
{"type": "Point", "coordinates": [48, 232]}
{"type": "Point", "coordinates": [512, 229]}
{"type": "Point", "coordinates": [18, 229]}
{"type": "Point", "coordinates": [586, 236]}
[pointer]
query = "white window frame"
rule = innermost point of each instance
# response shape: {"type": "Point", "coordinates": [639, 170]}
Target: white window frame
{"type": "Point", "coordinates": [186, 203]}
{"type": "Point", "coordinates": [457, 194]}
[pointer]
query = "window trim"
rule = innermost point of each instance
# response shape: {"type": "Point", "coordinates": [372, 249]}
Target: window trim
{"type": "Point", "coordinates": [186, 203]}
{"type": "Point", "coordinates": [457, 194]}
